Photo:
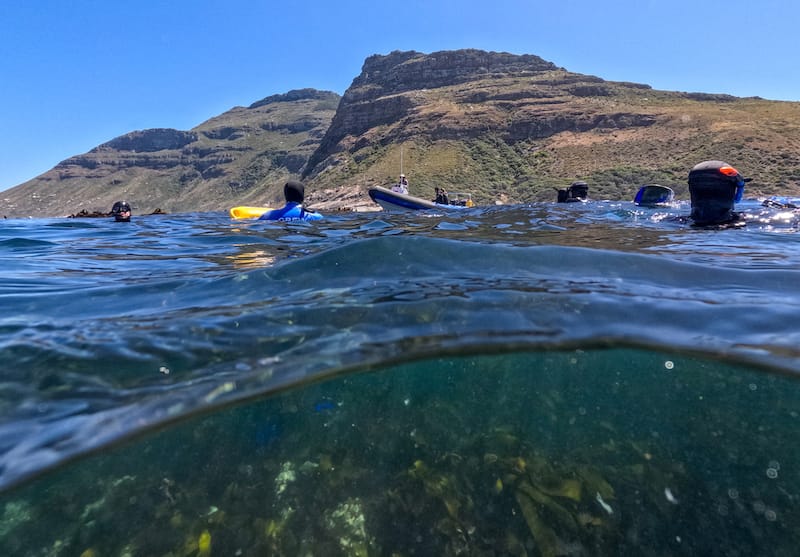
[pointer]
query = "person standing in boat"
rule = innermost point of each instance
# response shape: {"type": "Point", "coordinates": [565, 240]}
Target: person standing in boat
{"type": "Point", "coordinates": [294, 192]}
{"type": "Point", "coordinates": [401, 186]}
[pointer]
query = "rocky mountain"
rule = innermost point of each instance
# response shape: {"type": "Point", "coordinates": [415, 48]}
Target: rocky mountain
{"type": "Point", "coordinates": [240, 157]}
{"type": "Point", "coordinates": [508, 128]}
{"type": "Point", "coordinates": [514, 128]}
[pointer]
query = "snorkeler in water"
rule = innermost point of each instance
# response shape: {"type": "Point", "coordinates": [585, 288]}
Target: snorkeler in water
{"type": "Point", "coordinates": [294, 192]}
{"type": "Point", "coordinates": [715, 186]}
{"type": "Point", "coordinates": [121, 211]}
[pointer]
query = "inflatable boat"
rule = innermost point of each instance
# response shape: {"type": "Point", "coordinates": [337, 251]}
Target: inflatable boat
{"type": "Point", "coordinates": [394, 201]}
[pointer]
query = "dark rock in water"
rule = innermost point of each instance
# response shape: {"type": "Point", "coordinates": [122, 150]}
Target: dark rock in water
{"type": "Point", "coordinates": [83, 214]}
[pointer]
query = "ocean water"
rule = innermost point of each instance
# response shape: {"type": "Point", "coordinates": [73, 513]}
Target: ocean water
{"type": "Point", "coordinates": [540, 380]}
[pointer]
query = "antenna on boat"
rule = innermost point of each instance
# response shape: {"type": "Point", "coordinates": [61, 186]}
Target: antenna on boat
{"type": "Point", "coordinates": [401, 159]}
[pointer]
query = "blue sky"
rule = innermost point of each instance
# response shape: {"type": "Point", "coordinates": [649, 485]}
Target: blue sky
{"type": "Point", "coordinates": [75, 74]}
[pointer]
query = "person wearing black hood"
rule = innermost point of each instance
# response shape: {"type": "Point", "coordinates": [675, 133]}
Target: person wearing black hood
{"type": "Point", "coordinates": [714, 187]}
{"type": "Point", "coordinates": [121, 211]}
{"type": "Point", "coordinates": [294, 192]}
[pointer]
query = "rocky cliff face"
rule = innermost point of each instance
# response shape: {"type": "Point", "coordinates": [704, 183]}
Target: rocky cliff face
{"type": "Point", "coordinates": [390, 88]}
{"type": "Point", "coordinates": [463, 95]}
{"type": "Point", "coordinates": [148, 141]}
{"type": "Point", "coordinates": [406, 71]}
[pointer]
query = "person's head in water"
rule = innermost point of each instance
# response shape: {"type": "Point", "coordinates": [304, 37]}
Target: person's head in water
{"type": "Point", "coordinates": [294, 191]}
{"type": "Point", "coordinates": [121, 211]}
{"type": "Point", "coordinates": [578, 190]}
{"type": "Point", "coordinates": [714, 187]}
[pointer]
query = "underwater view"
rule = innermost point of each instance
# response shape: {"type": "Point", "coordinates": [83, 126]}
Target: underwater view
{"type": "Point", "coordinates": [538, 380]}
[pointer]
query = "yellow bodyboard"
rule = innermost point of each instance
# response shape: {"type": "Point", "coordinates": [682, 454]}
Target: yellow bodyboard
{"type": "Point", "coordinates": [248, 212]}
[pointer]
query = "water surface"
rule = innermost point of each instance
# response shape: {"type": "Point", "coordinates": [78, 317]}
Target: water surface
{"type": "Point", "coordinates": [528, 380]}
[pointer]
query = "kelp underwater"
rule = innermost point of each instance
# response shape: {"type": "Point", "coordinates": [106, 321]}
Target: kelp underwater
{"type": "Point", "coordinates": [601, 452]}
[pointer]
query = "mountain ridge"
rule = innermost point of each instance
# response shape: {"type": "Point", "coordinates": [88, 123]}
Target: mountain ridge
{"type": "Point", "coordinates": [510, 128]}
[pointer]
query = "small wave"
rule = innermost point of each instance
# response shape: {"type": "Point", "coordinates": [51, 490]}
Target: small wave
{"type": "Point", "coordinates": [25, 244]}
